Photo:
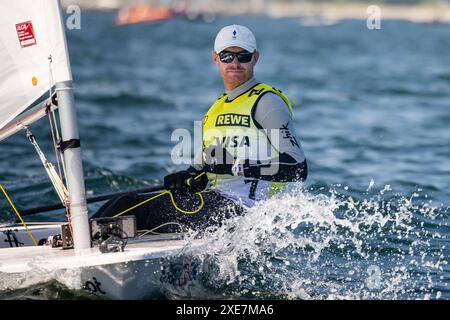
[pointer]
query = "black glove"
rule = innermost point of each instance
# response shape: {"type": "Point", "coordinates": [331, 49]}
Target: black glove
{"type": "Point", "coordinates": [177, 180]}
{"type": "Point", "coordinates": [218, 160]}
{"type": "Point", "coordinates": [186, 180]}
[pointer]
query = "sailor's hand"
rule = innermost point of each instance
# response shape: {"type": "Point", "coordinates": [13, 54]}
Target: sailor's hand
{"type": "Point", "coordinates": [177, 180]}
{"type": "Point", "coordinates": [187, 180]}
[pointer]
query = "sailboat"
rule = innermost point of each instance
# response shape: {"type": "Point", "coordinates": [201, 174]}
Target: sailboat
{"type": "Point", "coordinates": [136, 12]}
{"type": "Point", "coordinates": [35, 81]}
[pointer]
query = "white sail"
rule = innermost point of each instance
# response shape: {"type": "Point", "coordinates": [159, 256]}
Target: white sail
{"type": "Point", "coordinates": [31, 31]}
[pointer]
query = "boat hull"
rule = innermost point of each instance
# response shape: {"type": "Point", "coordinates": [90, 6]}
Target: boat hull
{"type": "Point", "coordinates": [147, 268]}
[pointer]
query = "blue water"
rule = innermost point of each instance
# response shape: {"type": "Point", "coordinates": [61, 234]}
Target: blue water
{"type": "Point", "coordinates": [373, 115]}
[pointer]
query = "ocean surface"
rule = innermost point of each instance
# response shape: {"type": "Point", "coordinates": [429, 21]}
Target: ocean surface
{"type": "Point", "coordinates": [372, 111]}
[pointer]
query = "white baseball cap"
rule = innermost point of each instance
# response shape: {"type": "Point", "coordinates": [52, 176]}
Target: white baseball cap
{"type": "Point", "coordinates": [235, 36]}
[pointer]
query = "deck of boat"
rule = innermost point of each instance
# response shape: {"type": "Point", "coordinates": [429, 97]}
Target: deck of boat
{"type": "Point", "coordinates": [22, 259]}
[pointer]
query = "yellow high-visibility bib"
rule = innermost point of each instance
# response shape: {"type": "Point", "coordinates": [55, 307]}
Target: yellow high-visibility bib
{"type": "Point", "coordinates": [232, 125]}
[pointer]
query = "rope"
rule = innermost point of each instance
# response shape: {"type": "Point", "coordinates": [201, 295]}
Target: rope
{"type": "Point", "coordinates": [18, 215]}
{"type": "Point", "coordinates": [145, 232]}
{"type": "Point", "coordinates": [140, 204]}
{"type": "Point", "coordinates": [69, 219]}
{"type": "Point", "coordinates": [49, 110]}
{"type": "Point", "coordinates": [54, 142]}
{"type": "Point", "coordinates": [60, 188]}
{"type": "Point", "coordinates": [202, 202]}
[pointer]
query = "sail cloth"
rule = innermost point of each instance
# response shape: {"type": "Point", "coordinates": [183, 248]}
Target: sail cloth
{"type": "Point", "coordinates": [31, 31]}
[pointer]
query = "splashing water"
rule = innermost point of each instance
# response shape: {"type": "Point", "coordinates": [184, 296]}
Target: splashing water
{"type": "Point", "coordinates": [314, 246]}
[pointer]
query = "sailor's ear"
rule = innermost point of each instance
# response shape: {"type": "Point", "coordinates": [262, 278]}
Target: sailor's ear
{"type": "Point", "coordinates": [215, 57]}
{"type": "Point", "coordinates": [256, 55]}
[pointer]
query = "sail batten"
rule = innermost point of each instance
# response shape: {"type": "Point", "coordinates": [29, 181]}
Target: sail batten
{"type": "Point", "coordinates": [33, 54]}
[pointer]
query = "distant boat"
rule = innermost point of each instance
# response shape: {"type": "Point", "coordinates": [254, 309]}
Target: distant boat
{"type": "Point", "coordinates": [139, 13]}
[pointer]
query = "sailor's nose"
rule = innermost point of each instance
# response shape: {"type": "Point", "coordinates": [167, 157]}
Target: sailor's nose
{"type": "Point", "coordinates": [235, 61]}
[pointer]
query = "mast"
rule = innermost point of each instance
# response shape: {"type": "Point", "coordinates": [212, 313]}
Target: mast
{"type": "Point", "coordinates": [70, 146]}
{"type": "Point", "coordinates": [74, 167]}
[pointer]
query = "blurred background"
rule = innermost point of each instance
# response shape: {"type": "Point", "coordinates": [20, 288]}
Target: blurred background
{"type": "Point", "coordinates": [414, 10]}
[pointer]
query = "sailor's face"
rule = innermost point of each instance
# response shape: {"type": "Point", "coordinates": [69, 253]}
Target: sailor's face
{"type": "Point", "coordinates": [235, 73]}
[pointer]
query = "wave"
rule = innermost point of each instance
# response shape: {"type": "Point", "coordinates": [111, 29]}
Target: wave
{"type": "Point", "coordinates": [306, 246]}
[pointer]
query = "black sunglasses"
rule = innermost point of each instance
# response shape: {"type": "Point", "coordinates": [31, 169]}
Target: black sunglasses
{"type": "Point", "coordinates": [242, 56]}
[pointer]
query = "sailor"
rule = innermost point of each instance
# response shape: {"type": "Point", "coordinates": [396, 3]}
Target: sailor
{"type": "Point", "coordinates": [250, 148]}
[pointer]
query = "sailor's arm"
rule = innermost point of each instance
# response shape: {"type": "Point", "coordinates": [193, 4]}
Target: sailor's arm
{"type": "Point", "coordinates": [272, 114]}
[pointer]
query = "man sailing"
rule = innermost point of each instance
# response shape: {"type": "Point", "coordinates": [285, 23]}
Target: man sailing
{"type": "Point", "coordinates": [250, 149]}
